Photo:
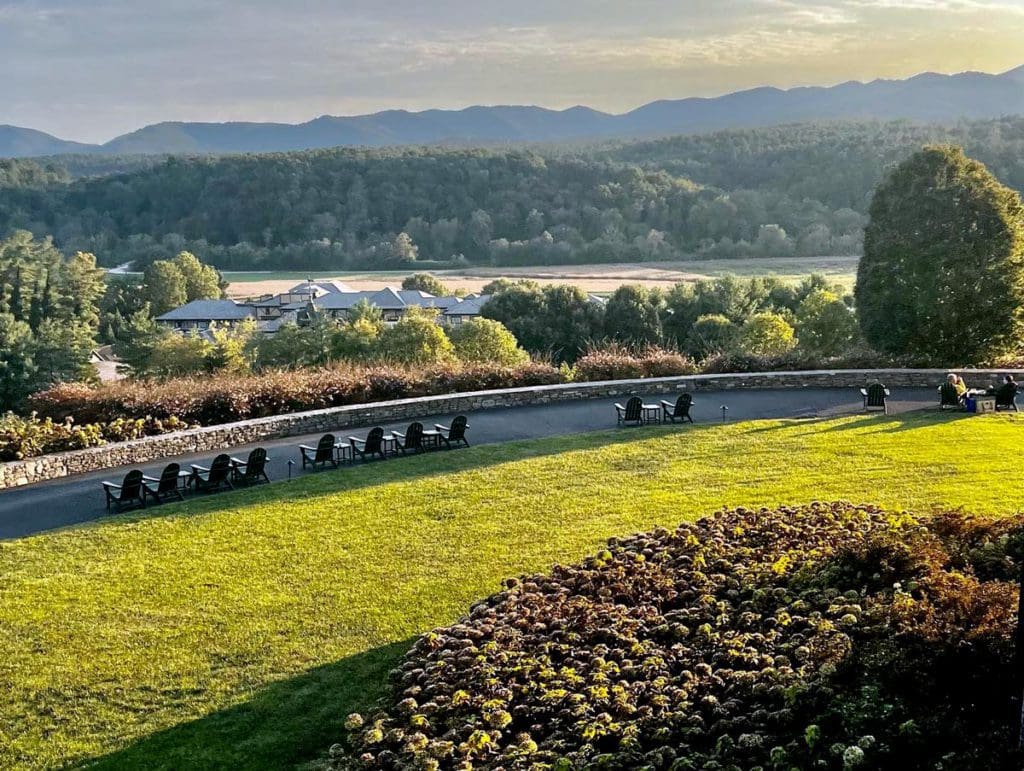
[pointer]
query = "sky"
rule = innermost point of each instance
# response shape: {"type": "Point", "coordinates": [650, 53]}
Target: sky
{"type": "Point", "coordinates": [93, 69]}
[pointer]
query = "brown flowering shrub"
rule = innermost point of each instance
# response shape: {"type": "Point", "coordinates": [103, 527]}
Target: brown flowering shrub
{"type": "Point", "coordinates": [30, 437]}
{"type": "Point", "coordinates": [226, 398]}
{"type": "Point", "coordinates": [829, 636]}
{"type": "Point", "coordinates": [618, 362]}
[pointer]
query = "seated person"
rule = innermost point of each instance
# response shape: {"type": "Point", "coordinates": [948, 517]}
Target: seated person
{"type": "Point", "coordinates": [1007, 392]}
{"type": "Point", "coordinates": [959, 385]}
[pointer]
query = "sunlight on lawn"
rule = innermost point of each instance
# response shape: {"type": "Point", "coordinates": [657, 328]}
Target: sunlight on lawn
{"type": "Point", "coordinates": [240, 629]}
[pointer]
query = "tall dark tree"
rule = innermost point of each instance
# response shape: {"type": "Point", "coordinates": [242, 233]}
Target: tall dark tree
{"type": "Point", "coordinates": [943, 268]}
{"type": "Point", "coordinates": [633, 315]}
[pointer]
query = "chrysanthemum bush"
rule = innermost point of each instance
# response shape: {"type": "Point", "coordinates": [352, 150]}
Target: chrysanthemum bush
{"type": "Point", "coordinates": [225, 398]}
{"type": "Point", "coordinates": [829, 636]}
{"type": "Point", "coordinates": [32, 436]}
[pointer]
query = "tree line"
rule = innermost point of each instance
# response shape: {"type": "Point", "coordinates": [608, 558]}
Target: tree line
{"type": "Point", "coordinates": [772, 192]}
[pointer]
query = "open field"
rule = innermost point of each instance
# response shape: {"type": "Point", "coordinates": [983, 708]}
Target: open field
{"type": "Point", "coordinates": [594, 278]}
{"type": "Point", "coordinates": [239, 630]}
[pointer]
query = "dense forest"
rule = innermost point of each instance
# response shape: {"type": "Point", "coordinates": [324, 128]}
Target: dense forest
{"type": "Point", "coordinates": [791, 190]}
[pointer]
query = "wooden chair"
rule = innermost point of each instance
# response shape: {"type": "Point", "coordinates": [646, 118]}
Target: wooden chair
{"type": "Point", "coordinates": [166, 487]}
{"type": "Point", "coordinates": [320, 455]}
{"type": "Point", "coordinates": [372, 445]}
{"type": "Point", "coordinates": [218, 475]}
{"type": "Point", "coordinates": [1006, 398]}
{"type": "Point", "coordinates": [251, 471]}
{"type": "Point", "coordinates": [128, 494]}
{"type": "Point", "coordinates": [411, 440]}
{"type": "Point", "coordinates": [680, 410]}
{"type": "Point", "coordinates": [632, 412]}
{"type": "Point", "coordinates": [874, 398]}
{"type": "Point", "coordinates": [948, 397]}
{"type": "Point", "coordinates": [455, 433]}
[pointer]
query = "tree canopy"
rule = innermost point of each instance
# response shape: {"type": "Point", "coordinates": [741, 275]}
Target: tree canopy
{"type": "Point", "coordinates": [942, 275]}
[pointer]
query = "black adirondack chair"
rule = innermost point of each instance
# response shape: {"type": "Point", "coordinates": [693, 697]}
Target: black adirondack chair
{"type": "Point", "coordinates": [1006, 398]}
{"type": "Point", "coordinates": [680, 410]}
{"type": "Point", "coordinates": [411, 441]}
{"type": "Point", "coordinates": [166, 487]}
{"type": "Point", "coordinates": [948, 397]}
{"type": "Point", "coordinates": [874, 398]}
{"type": "Point", "coordinates": [251, 471]}
{"type": "Point", "coordinates": [372, 445]}
{"type": "Point", "coordinates": [218, 475]}
{"type": "Point", "coordinates": [129, 494]}
{"type": "Point", "coordinates": [455, 433]}
{"type": "Point", "coordinates": [321, 455]}
{"type": "Point", "coordinates": [632, 412]}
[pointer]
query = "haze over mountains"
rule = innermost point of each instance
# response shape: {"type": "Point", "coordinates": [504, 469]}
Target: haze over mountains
{"type": "Point", "coordinates": [927, 97]}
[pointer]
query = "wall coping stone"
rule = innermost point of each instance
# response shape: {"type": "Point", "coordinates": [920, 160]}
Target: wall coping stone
{"type": "Point", "coordinates": [228, 435]}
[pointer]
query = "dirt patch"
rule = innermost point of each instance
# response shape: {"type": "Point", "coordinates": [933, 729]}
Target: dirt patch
{"type": "Point", "coordinates": [592, 278]}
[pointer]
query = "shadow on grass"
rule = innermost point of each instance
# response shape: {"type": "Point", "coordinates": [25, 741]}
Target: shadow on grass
{"type": "Point", "coordinates": [878, 423]}
{"type": "Point", "coordinates": [400, 469]}
{"type": "Point", "coordinates": [286, 723]}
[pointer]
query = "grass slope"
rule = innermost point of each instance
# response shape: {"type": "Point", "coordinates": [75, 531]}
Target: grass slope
{"type": "Point", "coordinates": [237, 631]}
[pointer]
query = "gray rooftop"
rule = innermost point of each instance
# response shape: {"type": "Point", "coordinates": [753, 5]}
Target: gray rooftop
{"type": "Point", "coordinates": [470, 306]}
{"type": "Point", "coordinates": [208, 310]}
{"type": "Point", "coordinates": [324, 287]}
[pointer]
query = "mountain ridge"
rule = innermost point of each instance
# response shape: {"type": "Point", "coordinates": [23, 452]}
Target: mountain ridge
{"type": "Point", "coordinates": [927, 96]}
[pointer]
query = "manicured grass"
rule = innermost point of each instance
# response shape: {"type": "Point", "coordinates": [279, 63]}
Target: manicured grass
{"type": "Point", "coordinates": [239, 630]}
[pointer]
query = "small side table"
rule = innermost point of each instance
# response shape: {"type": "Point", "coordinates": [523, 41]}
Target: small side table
{"type": "Point", "coordinates": [651, 413]}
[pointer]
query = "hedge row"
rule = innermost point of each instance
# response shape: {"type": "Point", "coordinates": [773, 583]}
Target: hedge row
{"type": "Point", "coordinates": [227, 398]}
{"type": "Point", "coordinates": [30, 437]}
{"type": "Point", "coordinates": [829, 636]}
{"type": "Point", "coordinates": [223, 398]}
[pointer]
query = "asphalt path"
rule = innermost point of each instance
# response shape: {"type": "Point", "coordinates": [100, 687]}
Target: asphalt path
{"type": "Point", "coordinates": [74, 500]}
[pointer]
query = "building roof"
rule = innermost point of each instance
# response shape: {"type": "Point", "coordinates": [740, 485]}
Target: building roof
{"type": "Point", "coordinates": [208, 310]}
{"type": "Point", "coordinates": [385, 299]}
{"type": "Point", "coordinates": [470, 306]}
{"type": "Point", "coordinates": [324, 287]}
{"type": "Point", "coordinates": [429, 301]}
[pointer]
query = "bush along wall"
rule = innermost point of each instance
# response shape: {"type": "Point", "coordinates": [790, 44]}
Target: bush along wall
{"type": "Point", "coordinates": [828, 636]}
{"type": "Point", "coordinates": [31, 437]}
{"type": "Point", "coordinates": [225, 398]}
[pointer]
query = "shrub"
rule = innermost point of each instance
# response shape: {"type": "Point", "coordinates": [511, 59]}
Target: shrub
{"type": "Point", "coordinates": [415, 339]}
{"type": "Point", "coordinates": [829, 636]}
{"type": "Point", "coordinates": [618, 362]}
{"type": "Point", "coordinates": [766, 334]}
{"type": "Point", "coordinates": [825, 324]}
{"type": "Point", "coordinates": [29, 437]}
{"type": "Point", "coordinates": [225, 398]}
{"type": "Point", "coordinates": [710, 334]}
{"type": "Point", "coordinates": [483, 340]}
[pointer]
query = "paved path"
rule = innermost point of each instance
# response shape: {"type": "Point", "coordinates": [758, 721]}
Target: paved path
{"type": "Point", "coordinates": [62, 502]}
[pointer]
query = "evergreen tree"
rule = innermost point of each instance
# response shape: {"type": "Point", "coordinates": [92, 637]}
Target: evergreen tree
{"type": "Point", "coordinates": [943, 269]}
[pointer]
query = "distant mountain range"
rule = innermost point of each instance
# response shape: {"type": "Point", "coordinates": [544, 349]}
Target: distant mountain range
{"type": "Point", "coordinates": [928, 97]}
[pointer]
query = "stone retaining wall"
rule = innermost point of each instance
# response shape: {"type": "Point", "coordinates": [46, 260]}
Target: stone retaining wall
{"type": "Point", "coordinates": [215, 438]}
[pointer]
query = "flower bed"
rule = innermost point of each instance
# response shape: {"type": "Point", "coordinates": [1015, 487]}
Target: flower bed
{"type": "Point", "coordinates": [31, 437]}
{"type": "Point", "coordinates": [828, 636]}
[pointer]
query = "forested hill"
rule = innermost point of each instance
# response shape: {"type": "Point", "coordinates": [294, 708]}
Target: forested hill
{"type": "Point", "coordinates": [838, 164]}
{"type": "Point", "coordinates": [925, 97]}
{"type": "Point", "coordinates": [800, 189]}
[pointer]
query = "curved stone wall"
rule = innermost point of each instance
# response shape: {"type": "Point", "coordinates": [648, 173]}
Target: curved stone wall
{"type": "Point", "coordinates": [214, 438]}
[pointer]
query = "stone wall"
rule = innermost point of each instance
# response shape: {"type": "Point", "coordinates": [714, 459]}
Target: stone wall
{"type": "Point", "coordinates": [215, 438]}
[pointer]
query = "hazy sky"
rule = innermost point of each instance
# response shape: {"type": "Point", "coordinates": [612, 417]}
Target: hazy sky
{"type": "Point", "coordinates": [92, 69]}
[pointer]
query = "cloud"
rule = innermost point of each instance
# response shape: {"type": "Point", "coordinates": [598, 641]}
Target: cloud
{"type": "Point", "coordinates": [93, 68]}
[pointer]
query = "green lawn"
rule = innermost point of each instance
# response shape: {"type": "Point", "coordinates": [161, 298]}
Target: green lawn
{"type": "Point", "coordinates": [237, 631]}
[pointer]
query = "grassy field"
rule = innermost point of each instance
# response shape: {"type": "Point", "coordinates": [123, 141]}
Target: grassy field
{"type": "Point", "coordinates": [602, 278]}
{"type": "Point", "coordinates": [239, 630]}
